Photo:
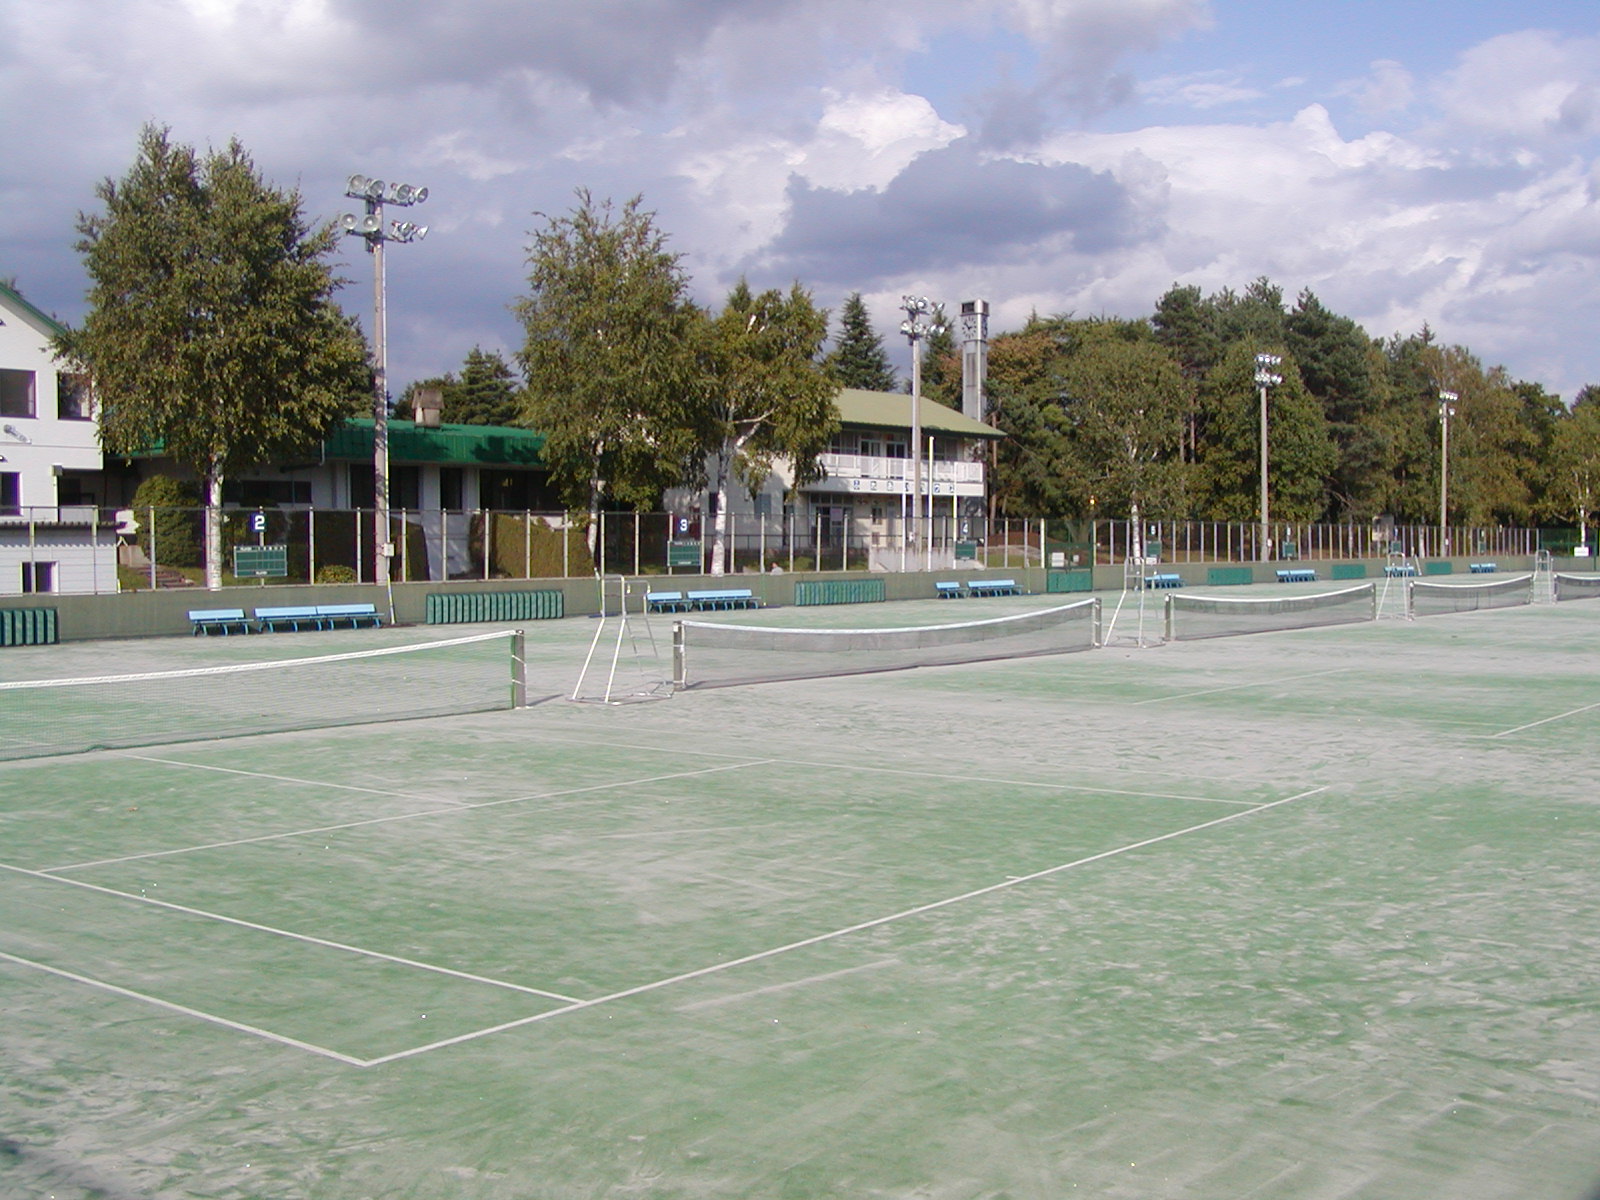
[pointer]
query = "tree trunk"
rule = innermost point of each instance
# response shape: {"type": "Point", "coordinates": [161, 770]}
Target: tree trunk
{"type": "Point", "coordinates": [719, 523]}
{"type": "Point", "coordinates": [214, 531]}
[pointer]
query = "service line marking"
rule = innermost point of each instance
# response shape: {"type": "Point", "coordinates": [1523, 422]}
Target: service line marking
{"type": "Point", "coordinates": [876, 922]}
{"type": "Point", "coordinates": [452, 809]}
{"type": "Point", "coordinates": [1234, 687]}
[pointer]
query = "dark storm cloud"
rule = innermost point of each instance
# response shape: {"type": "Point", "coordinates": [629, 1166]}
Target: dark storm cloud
{"type": "Point", "coordinates": [949, 208]}
{"type": "Point", "coordinates": [617, 51]}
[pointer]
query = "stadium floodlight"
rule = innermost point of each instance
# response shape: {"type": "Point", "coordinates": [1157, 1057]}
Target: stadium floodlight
{"type": "Point", "coordinates": [924, 319]}
{"type": "Point", "coordinates": [1447, 409]}
{"type": "Point", "coordinates": [1266, 377]}
{"type": "Point", "coordinates": [370, 228]}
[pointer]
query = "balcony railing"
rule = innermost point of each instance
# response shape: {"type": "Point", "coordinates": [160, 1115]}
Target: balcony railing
{"type": "Point", "coordinates": [871, 466]}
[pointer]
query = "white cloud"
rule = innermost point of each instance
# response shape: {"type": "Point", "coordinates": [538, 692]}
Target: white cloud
{"type": "Point", "coordinates": [1532, 85]}
{"type": "Point", "coordinates": [1209, 89]}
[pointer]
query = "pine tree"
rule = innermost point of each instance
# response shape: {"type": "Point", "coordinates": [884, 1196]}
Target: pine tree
{"type": "Point", "coordinates": [858, 359]}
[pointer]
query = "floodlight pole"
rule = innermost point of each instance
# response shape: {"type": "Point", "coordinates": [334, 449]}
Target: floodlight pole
{"type": "Point", "coordinates": [1265, 378]}
{"type": "Point", "coordinates": [1447, 409]}
{"type": "Point", "coordinates": [371, 230]}
{"type": "Point", "coordinates": [922, 319]}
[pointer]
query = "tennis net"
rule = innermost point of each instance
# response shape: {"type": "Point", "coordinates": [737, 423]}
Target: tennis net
{"type": "Point", "coordinates": [1576, 587]}
{"type": "Point", "coordinates": [717, 654]}
{"type": "Point", "coordinates": [1191, 617]}
{"type": "Point", "coordinates": [1427, 599]}
{"type": "Point", "coordinates": [41, 717]}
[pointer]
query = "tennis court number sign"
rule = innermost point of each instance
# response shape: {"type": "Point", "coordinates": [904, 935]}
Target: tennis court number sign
{"type": "Point", "coordinates": [260, 562]}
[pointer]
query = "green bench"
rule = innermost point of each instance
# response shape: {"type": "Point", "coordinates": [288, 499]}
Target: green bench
{"type": "Point", "coordinates": [993, 587]}
{"type": "Point", "coordinates": [721, 599]}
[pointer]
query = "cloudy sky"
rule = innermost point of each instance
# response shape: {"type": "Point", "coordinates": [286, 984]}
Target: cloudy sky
{"type": "Point", "coordinates": [1409, 161]}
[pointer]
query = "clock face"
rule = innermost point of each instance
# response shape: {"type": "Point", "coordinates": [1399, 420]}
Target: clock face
{"type": "Point", "coordinates": [972, 326]}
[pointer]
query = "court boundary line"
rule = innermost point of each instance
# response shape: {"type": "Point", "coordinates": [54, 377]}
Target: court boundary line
{"type": "Point", "coordinates": [818, 939]}
{"type": "Point", "coordinates": [307, 938]}
{"type": "Point", "coordinates": [1571, 712]}
{"type": "Point", "coordinates": [185, 1010]}
{"type": "Point", "coordinates": [568, 1004]}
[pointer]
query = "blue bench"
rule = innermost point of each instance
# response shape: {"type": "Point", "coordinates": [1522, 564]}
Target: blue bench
{"type": "Point", "coordinates": [722, 599]}
{"type": "Point", "coordinates": [207, 619]}
{"type": "Point", "coordinates": [993, 587]}
{"type": "Point", "coordinates": [356, 614]}
{"type": "Point", "coordinates": [1297, 575]}
{"type": "Point", "coordinates": [1397, 569]}
{"type": "Point", "coordinates": [949, 590]}
{"type": "Point", "coordinates": [1482, 568]}
{"type": "Point", "coordinates": [269, 620]}
{"type": "Point", "coordinates": [666, 602]}
{"type": "Point", "coordinates": [1168, 579]}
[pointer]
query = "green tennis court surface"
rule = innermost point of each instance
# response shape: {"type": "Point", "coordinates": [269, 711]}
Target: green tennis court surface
{"type": "Point", "coordinates": [1301, 915]}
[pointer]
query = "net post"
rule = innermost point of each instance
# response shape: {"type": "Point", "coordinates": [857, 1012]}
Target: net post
{"type": "Point", "coordinates": [680, 678]}
{"type": "Point", "coordinates": [1099, 630]}
{"type": "Point", "coordinates": [1166, 619]}
{"type": "Point", "coordinates": [519, 671]}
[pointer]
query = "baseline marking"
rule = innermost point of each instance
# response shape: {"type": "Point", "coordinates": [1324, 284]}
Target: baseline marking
{"type": "Point", "coordinates": [184, 1010]}
{"type": "Point", "coordinates": [902, 915]}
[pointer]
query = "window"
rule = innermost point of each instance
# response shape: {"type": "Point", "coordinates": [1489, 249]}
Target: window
{"type": "Point", "coordinates": [452, 488]}
{"type": "Point", "coordinates": [38, 577]}
{"type": "Point", "coordinates": [16, 393]}
{"type": "Point", "coordinates": [266, 493]}
{"type": "Point", "coordinates": [73, 402]}
{"type": "Point", "coordinates": [10, 494]}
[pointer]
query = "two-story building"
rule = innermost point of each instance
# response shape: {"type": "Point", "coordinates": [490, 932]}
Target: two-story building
{"type": "Point", "coordinates": [52, 535]}
{"type": "Point", "coordinates": [866, 500]}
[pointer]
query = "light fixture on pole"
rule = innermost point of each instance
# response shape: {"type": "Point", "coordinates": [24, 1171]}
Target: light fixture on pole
{"type": "Point", "coordinates": [370, 228]}
{"type": "Point", "coordinates": [1447, 409]}
{"type": "Point", "coordinates": [923, 320]}
{"type": "Point", "coordinates": [1266, 377]}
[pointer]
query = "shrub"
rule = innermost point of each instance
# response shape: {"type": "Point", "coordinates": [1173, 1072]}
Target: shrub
{"type": "Point", "coordinates": [335, 573]}
{"type": "Point", "coordinates": [177, 521]}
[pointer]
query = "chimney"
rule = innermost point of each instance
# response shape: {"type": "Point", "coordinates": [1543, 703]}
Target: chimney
{"type": "Point", "coordinates": [974, 357]}
{"type": "Point", "coordinates": [426, 407]}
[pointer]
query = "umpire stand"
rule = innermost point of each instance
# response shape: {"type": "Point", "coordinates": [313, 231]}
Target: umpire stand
{"type": "Point", "coordinates": [1141, 555]}
{"type": "Point", "coordinates": [1394, 601]}
{"type": "Point", "coordinates": [624, 664]}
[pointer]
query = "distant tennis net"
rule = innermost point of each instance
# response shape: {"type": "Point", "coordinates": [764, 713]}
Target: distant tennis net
{"type": "Point", "coordinates": [1428, 599]}
{"type": "Point", "coordinates": [1576, 587]}
{"type": "Point", "coordinates": [43, 717]}
{"type": "Point", "coordinates": [1189, 617]}
{"type": "Point", "coordinates": [717, 654]}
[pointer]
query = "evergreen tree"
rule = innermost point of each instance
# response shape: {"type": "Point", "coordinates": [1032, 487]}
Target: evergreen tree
{"type": "Point", "coordinates": [487, 392]}
{"type": "Point", "coordinates": [858, 359]}
{"type": "Point", "coordinates": [212, 331]}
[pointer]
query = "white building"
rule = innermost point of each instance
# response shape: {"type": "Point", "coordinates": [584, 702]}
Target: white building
{"type": "Point", "coordinates": [865, 498]}
{"type": "Point", "coordinates": [51, 536]}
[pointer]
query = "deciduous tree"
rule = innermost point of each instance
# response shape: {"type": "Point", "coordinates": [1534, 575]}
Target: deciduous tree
{"type": "Point", "coordinates": [211, 334]}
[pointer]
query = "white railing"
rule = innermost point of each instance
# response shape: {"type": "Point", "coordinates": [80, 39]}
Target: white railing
{"type": "Point", "coordinates": [872, 466]}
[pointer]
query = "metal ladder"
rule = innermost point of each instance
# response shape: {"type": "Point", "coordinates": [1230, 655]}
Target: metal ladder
{"type": "Point", "coordinates": [1544, 578]}
{"type": "Point", "coordinates": [1393, 599]}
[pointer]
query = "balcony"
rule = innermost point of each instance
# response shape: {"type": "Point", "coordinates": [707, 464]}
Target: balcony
{"type": "Point", "coordinates": [884, 476]}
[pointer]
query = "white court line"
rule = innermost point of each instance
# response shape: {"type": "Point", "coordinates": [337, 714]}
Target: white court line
{"type": "Point", "coordinates": [1535, 724]}
{"type": "Point", "coordinates": [345, 787]}
{"type": "Point", "coordinates": [787, 985]}
{"type": "Point", "coordinates": [1234, 687]}
{"type": "Point", "coordinates": [454, 808]}
{"type": "Point", "coordinates": [941, 776]}
{"type": "Point", "coordinates": [920, 909]}
{"type": "Point", "coordinates": [290, 934]}
{"type": "Point", "coordinates": [186, 1011]}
